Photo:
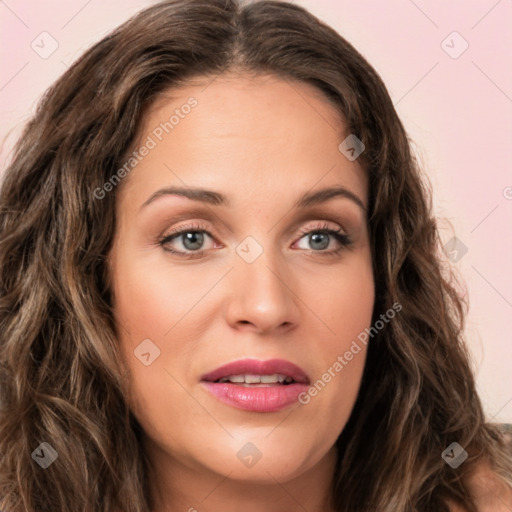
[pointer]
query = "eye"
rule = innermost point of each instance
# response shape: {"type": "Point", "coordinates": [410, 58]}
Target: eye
{"type": "Point", "coordinates": [192, 238]}
{"type": "Point", "coordinates": [320, 238]}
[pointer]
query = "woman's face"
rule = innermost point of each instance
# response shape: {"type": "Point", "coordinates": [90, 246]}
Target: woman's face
{"type": "Point", "coordinates": [246, 281]}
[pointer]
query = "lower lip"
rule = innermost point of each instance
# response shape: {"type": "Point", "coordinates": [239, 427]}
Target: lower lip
{"type": "Point", "coordinates": [257, 398]}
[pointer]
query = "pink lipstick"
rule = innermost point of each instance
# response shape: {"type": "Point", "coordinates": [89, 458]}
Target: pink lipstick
{"type": "Point", "coordinates": [258, 386]}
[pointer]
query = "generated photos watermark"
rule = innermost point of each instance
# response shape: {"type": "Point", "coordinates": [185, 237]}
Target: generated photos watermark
{"type": "Point", "coordinates": [150, 143]}
{"type": "Point", "coordinates": [343, 360]}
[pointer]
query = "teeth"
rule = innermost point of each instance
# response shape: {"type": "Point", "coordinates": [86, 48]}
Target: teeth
{"type": "Point", "coordinates": [257, 379]}
{"type": "Point", "coordinates": [236, 378]}
{"type": "Point", "coordinates": [269, 379]}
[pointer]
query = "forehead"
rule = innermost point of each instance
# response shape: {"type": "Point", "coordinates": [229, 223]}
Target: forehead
{"type": "Point", "coordinates": [252, 135]}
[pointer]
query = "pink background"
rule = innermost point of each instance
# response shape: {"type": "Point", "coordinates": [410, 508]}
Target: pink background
{"type": "Point", "coordinates": [457, 110]}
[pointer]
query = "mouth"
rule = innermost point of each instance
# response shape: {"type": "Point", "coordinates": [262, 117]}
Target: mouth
{"type": "Point", "coordinates": [258, 386]}
{"type": "Point", "coordinates": [254, 372]}
{"type": "Point", "coordinates": [258, 380]}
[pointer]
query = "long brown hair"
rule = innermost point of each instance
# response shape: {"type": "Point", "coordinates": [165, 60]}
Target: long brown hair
{"type": "Point", "coordinates": [62, 379]}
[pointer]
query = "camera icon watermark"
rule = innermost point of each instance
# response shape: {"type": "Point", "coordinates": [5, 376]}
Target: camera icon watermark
{"type": "Point", "coordinates": [454, 45]}
{"type": "Point", "coordinates": [146, 352]}
{"type": "Point", "coordinates": [249, 455]}
{"type": "Point", "coordinates": [351, 147]}
{"type": "Point", "coordinates": [44, 45]}
{"type": "Point", "coordinates": [249, 249]}
{"type": "Point", "coordinates": [45, 455]}
{"type": "Point", "coordinates": [454, 455]}
{"type": "Point", "coordinates": [455, 249]}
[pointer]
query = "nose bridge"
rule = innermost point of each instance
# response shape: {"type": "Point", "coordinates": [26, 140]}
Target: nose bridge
{"type": "Point", "coordinates": [259, 266]}
{"type": "Point", "coordinates": [262, 293]}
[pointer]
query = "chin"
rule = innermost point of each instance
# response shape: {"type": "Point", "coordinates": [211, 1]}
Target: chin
{"type": "Point", "coordinates": [263, 461]}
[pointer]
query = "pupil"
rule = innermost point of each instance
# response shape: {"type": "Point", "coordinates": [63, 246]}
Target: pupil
{"type": "Point", "coordinates": [194, 237]}
{"type": "Point", "coordinates": [314, 239]}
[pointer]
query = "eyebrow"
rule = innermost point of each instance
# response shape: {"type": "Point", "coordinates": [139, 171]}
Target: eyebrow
{"type": "Point", "coordinates": [219, 199]}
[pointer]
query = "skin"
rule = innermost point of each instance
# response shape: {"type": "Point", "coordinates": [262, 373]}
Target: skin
{"type": "Point", "coordinates": [490, 493]}
{"type": "Point", "coordinates": [263, 142]}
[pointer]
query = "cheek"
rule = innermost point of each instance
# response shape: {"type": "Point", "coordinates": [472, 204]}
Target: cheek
{"type": "Point", "coordinates": [334, 387]}
{"type": "Point", "coordinates": [345, 308]}
{"type": "Point", "coordinates": [148, 315]}
{"type": "Point", "coordinates": [150, 299]}
{"type": "Point", "coordinates": [343, 303]}
{"type": "Point", "coordinates": [158, 314]}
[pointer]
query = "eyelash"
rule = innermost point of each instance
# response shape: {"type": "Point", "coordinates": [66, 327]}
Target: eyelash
{"type": "Point", "coordinates": [343, 239]}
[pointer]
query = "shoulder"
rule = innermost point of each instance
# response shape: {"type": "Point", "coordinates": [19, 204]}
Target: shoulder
{"type": "Point", "coordinates": [490, 492]}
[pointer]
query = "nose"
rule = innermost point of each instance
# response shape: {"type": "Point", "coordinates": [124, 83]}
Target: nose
{"type": "Point", "coordinates": [262, 296]}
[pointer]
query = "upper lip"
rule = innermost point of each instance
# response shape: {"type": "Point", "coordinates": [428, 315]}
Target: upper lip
{"type": "Point", "coordinates": [256, 367]}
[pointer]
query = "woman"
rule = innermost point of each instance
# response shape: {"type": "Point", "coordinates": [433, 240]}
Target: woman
{"type": "Point", "coordinates": [173, 338]}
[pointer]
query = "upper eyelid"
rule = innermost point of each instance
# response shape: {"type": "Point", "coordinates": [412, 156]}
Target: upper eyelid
{"type": "Point", "coordinates": [200, 226]}
{"type": "Point", "coordinates": [347, 219]}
